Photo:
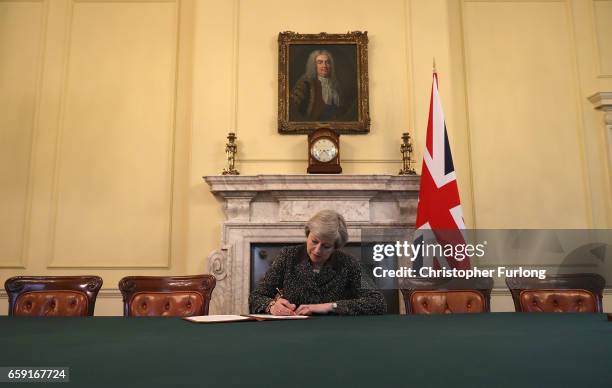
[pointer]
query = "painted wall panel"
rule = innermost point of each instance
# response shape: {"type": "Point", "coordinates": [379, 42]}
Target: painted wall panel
{"type": "Point", "coordinates": [20, 47]}
{"type": "Point", "coordinates": [603, 27]}
{"type": "Point", "coordinates": [524, 121]}
{"type": "Point", "coordinates": [114, 168]}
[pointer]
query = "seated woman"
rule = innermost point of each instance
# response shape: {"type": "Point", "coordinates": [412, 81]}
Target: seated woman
{"type": "Point", "coordinates": [317, 278]}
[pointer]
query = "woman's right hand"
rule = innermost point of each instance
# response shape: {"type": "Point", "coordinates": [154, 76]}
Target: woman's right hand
{"type": "Point", "coordinates": [282, 307]}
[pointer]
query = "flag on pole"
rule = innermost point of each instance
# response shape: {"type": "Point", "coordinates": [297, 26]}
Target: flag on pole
{"type": "Point", "coordinates": [439, 215]}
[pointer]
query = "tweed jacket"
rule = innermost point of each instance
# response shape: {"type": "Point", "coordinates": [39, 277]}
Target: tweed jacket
{"type": "Point", "coordinates": [340, 280]}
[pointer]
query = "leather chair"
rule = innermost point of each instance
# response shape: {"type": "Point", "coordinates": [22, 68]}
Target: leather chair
{"type": "Point", "coordinates": [171, 296]}
{"type": "Point", "coordinates": [62, 296]}
{"type": "Point", "coordinates": [447, 296]}
{"type": "Point", "coordinates": [578, 293]}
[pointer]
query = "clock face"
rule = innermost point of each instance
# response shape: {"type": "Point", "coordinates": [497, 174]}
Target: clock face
{"type": "Point", "coordinates": [323, 150]}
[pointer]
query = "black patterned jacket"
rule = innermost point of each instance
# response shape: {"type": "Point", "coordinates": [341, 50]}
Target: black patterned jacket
{"type": "Point", "coordinates": [340, 280]}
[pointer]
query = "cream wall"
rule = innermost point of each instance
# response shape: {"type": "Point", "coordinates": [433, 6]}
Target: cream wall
{"type": "Point", "coordinates": [112, 111]}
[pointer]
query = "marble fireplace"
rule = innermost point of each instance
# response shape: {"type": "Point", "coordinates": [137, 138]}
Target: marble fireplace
{"type": "Point", "coordinates": [274, 208]}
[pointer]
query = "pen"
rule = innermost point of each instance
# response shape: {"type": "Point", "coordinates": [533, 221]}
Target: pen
{"type": "Point", "coordinates": [279, 294]}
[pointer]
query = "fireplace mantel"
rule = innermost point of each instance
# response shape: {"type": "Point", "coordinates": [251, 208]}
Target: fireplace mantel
{"type": "Point", "coordinates": [274, 208]}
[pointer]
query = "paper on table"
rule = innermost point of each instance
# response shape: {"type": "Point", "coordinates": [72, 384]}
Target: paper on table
{"type": "Point", "coordinates": [270, 317]}
{"type": "Point", "coordinates": [217, 318]}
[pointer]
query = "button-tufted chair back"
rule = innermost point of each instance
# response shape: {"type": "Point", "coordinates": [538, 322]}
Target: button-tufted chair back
{"type": "Point", "coordinates": [447, 296]}
{"type": "Point", "coordinates": [63, 296]}
{"type": "Point", "coordinates": [168, 296]}
{"type": "Point", "coordinates": [575, 293]}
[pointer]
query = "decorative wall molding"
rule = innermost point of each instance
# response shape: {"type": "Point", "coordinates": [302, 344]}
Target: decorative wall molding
{"type": "Point", "coordinates": [110, 293]}
{"type": "Point", "coordinates": [603, 101]}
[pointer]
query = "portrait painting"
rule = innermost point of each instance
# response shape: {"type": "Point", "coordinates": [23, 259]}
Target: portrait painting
{"type": "Point", "coordinates": [323, 82]}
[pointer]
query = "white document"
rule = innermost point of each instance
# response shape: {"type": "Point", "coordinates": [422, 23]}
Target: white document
{"type": "Point", "coordinates": [218, 318]}
{"type": "Point", "coordinates": [272, 317]}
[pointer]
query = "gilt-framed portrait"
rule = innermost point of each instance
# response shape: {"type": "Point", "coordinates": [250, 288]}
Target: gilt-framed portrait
{"type": "Point", "coordinates": [323, 82]}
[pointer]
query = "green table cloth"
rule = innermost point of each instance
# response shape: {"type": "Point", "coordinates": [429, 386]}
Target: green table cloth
{"type": "Point", "coordinates": [462, 350]}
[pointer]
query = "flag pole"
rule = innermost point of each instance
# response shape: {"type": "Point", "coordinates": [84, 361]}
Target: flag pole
{"type": "Point", "coordinates": [434, 65]}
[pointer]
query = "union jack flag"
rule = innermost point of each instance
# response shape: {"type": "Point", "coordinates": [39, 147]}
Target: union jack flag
{"type": "Point", "coordinates": [439, 215]}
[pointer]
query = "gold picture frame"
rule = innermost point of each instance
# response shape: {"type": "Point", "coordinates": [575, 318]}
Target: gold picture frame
{"type": "Point", "coordinates": [323, 82]}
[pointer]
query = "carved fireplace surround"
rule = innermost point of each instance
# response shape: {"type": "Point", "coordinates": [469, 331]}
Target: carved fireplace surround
{"type": "Point", "coordinates": [274, 208]}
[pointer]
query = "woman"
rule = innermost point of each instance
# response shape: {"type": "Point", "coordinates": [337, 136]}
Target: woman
{"type": "Point", "coordinates": [317, 278]}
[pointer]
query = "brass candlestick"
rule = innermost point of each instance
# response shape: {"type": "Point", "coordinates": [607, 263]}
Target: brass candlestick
{"type": "Point", "coordinates": [406, 150]}
{"type": "Point", "coordinates": [230, 153]}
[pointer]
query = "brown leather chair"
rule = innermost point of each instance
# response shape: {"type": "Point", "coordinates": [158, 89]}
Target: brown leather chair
{"type": "Point", "coordinates": [447, 296]}
{"type": "Point", "coordinates": [171, 296]}
{"type": "Point", "coordinates": [577, 293]}
{"type": "Point", "coordinates": [62, 296]}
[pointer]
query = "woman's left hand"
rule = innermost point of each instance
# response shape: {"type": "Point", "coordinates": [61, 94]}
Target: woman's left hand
{"type": "Point", "coordinates": [309, 309]}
